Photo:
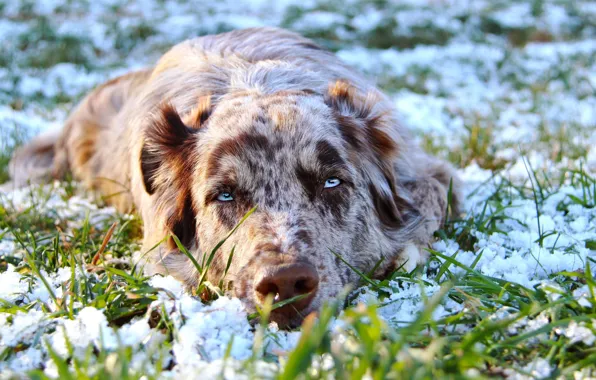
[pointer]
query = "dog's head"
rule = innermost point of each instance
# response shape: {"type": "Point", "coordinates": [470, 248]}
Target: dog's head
{"type": "Point", "coordinates": [318, 168]}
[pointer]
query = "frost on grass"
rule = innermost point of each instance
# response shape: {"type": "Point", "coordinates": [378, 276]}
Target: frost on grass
{"type": "Point", "coordinates": [503, 89]}
{"type": "Point", "coordinates": [528, 244]}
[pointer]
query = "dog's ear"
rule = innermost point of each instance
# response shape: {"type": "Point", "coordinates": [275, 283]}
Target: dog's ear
{"type": "Point", "coordinates": [361, 123]}
{"type": "Point", "coordinates": [167, 161]}
{"type": "Point", "coordinates": [372, 133]}
{"type": "Point", "coordinates": [169, 143]}
{"type": "Point", "coordinates": [199, 115]}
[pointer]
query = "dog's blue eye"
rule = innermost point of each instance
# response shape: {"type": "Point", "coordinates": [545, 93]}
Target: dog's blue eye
{"type": "Point", "coordinates": [332, 182]}
{"type": "Point", "coordinates": [225, 197]}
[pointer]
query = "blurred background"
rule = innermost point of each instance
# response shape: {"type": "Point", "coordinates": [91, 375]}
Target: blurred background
{"type": "Point", "coordinates": [479, 81]}
{"type": "Point", "coordinates": [505, 89]}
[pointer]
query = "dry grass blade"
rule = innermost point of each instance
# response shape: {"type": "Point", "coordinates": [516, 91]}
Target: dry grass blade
{"type": "Point", "coordinates": [104, 243]}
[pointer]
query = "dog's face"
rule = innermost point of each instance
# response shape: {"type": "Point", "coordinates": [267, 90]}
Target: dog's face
{"type": "Point", "coordinates": [317, 168]}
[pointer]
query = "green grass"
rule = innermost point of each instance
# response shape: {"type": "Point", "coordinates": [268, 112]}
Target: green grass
{"type": "Point", "coordinates": [10, 139]}
{"type": "Point", "coordinates": [468, 324]}
{"type": "Point", "coordinates": [469, 343]}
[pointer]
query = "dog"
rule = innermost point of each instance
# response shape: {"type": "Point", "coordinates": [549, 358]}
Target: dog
{"type": "Point", "coordinates": [259, 119]}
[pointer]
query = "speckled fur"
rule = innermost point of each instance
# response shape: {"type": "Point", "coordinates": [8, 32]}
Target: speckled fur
{"type": "Point", "coordinates": [266, 115]}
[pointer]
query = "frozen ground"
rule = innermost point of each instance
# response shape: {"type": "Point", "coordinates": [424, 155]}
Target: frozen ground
{"type": "Point", "coordinates": [504, 89]}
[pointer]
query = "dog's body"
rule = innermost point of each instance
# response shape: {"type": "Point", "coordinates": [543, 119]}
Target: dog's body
{"type": "Point", "coordinates": [257, 117]}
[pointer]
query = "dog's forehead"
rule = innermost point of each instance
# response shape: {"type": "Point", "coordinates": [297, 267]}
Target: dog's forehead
{"type": "Point", "coordinates": [294, 112]}
{"type": "Point", "coordinates": [284, 125]}
{"type": "Point", "coordinates": [254, 137]}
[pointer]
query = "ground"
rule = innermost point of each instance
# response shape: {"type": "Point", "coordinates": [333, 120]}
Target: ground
{"type": "Point", "coordinates": [505, 89]}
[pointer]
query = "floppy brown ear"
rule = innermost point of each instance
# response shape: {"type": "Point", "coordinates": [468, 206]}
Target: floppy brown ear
{"type": "Point", "coordinates": [167, 161]}
{"type": "Point", "coordinates": [370, 130]}
{"type": "Point", "coordinates": [169, 142]}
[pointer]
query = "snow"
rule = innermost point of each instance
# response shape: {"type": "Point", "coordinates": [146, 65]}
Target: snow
{"type": "Point", "coordinates": [64, 78]}
{"type": "Point", "coordinates": [22, 327]}
{"type": "Point", "coordinates": [168, 283]}
{"type": "Point", "coordinates": [539, 368]}
{"type": "Point", "coordinates": [515, 16]}
{"type": "Point", "coordinates": [439, 90]}
{"type": "Point", "coordinates": [73, 211]}
{"type": "Point", "coordinates": [203, 331]}
{"type": "Point", "coordinates": [578, 332]}
{"type": "Point", "coordinates": [409, 20]}
{"type": "Point", "coordinates": [12, 286]}
{"type": "Point", "coordinates": [24, 361]}
{"type": "Point", "coordinates": [583, 296]}
{"type": "Point", "coordinates": [319, 20]}
{"type": "Point", "coordinates": [90, 328]}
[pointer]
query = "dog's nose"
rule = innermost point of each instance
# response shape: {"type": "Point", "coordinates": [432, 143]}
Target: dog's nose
{"type": "Point", "coordinates": [285, 282]}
